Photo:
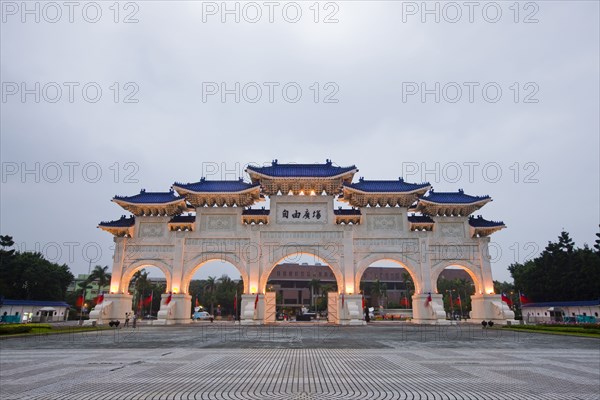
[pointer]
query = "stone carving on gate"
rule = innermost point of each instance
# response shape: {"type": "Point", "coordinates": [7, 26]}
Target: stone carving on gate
{"type": "Point", "coordinates": [151, 229]}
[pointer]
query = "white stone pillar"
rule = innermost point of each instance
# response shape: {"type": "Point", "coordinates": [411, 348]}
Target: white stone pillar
{"type": "Point", "coordinates": [113, 308]}
{"type": "Point", "coordinates": [177, 311]}
{"type": "Point", "coordinates": [431, 313]}
{"type": "Point", "coordinates": [270, 307]}
{"type": "Point", "coordinates": [117, 268]}
{"type": "Point", "coordinates": [252, 311]}
{"type": "Point", "coordinates": [351, 311]}
{"type": "Point", "coordinates": [485, 307]}
{"type": "Point", "coordinates": [177, 267]}
{"type": "Point", "coordinates": [487, 283]}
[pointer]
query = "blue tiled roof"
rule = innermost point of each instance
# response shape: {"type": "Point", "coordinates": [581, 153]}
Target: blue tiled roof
{"type": "Point", "coordinates": [347, 211]}
{"type": "Point", "coordinates": [183, 219]}
{"type": "Point", "coordinates": [420, 219]}
{"type": "Point", "coordinates": [40, 303]}
{"type": "Point", "coordinates": [387, 186]}
{"type": "Point", "coordinates": [480, 222]}
{"type": "Point", "coordinates": [123, 222]}
{"type": "Point", "coordinates": [302, 170]}
{"type": "Point", "coordinates": [256, 211]}
{"type": "Point", "coordinates": [452, 197]}
{"type": "Point", "coordinates": [216, 186]}
{"type": "Point", "coordinates": [150, 197]}
{"type": "Point", "coordinates": [581, 303]}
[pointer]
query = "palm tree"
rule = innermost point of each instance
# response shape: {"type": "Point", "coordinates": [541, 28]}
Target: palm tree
{"type": "Point", "coordinates": [210, 285]}
{"type": "Point", "coordinates": [315, 285]}
{"type": "Point", "coordinates": [379, 290]}
{"type": "Point", "coordinates": [101, 275]}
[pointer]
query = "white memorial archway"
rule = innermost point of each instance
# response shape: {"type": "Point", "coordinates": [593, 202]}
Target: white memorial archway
{"type": "Point", "coordinates": [411, 224]}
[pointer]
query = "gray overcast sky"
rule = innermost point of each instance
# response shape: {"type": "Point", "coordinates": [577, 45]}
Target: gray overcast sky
{"type": "Point", "coordinates": [516, 87]}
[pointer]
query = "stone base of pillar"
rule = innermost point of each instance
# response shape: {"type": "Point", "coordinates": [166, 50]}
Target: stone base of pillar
{"type": "Point", "coordinates": [351, 311]}
{"type": "Point", "coordinates": [113, 308]}
{"type": "Point", "coordinates": [432, 313]}
{"type": "Point", "coordinates": [490, 307]}
{"type": "Point", "coordinates": [251, 310]}
{"type": "Point", "coordinates": [177, 311]}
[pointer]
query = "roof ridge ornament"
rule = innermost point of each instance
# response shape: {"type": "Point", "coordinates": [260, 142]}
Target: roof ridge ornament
{"type": "Point", "coordinates": [401, 179]}
{"type": "Point", "coordinates": [328, 162]}
{"type": "Point", "coordinates": [143, 191]}
{"type": "Point", "coordinates": [461, 191]}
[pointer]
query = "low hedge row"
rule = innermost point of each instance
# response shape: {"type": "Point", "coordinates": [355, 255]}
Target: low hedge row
{"type": "Point", "coordinates": [14, 329]}
{"type": "Point", "coordinates": [587, 328]}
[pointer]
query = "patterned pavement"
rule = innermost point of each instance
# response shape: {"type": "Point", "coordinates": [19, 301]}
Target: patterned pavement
{"type": "Point", "coordinates": [532, 367]}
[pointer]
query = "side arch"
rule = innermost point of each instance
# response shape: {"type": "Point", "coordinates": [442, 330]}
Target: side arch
{"type": "Point", "coordinates": [366, 262]}
{"type": "Point", "coordinates": [140, 264]}
{"type": "Point", "coordinates": [473, 270]}
{"type": "Point", "coordinates": [197, 262]}
{"type": "Point", "coordinates": [333, 265]}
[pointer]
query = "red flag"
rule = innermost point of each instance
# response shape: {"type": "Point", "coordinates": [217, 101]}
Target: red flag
{"type": "Point", "coordinates": [140, 304]}
{"type": "Point", "coordinates": [168, 299]}
{"type": "Point", "coordinates": [523, 299]}
{"type": "Point", "coordinates": [459, 301]}
{"type": "Point", "coordinates": [363, 301]}
{"type": "Point", "coordinates": [428, 300]}
{"type": "Point", "coordinates": [256, 301]}
{"type": "Point", "coordinates": [342, 299]}
{"type": "Point", "coordinates": [506, 299]}
{"type": "Point", "coordinates": [148, 300]}
{"type": "Point", "coordinates": [451, 304]}
{"type": "Point", "coordinates": [235, 304]}
{"type": "Point", "coordinates": [404, 302]}
{"type": "Point", "coordinates": [79, 301]}
{"type": "Point", "coordinates": [197, 302]}
{"type": "Point", "coordinates": [100, 298]}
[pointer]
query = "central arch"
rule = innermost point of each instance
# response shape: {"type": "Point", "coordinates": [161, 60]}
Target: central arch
{"type": "Point", "coordinates": [197, 262]}
{"type": "Point", "coordinates": [334, 267]}
{"type": "Point", "coordinates": [473, 271]}
{"type": "Point", "coordinates": [369, 260]}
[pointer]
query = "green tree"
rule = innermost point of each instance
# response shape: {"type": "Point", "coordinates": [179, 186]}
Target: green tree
{"type": "Point", "coordinates": [30, 276]}
{"type": "Point", "coordinates": [561, 272]}
{"type": "Point", "coordinates": [378, 290]}
{"type": "Point", "coordinates": [209, 287]}
{"type": "Point", "coordinates": [315, 286]}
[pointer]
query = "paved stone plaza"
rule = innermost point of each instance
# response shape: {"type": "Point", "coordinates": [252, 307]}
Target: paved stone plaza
{"type": "Point", "coordinates": [300, 361]}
